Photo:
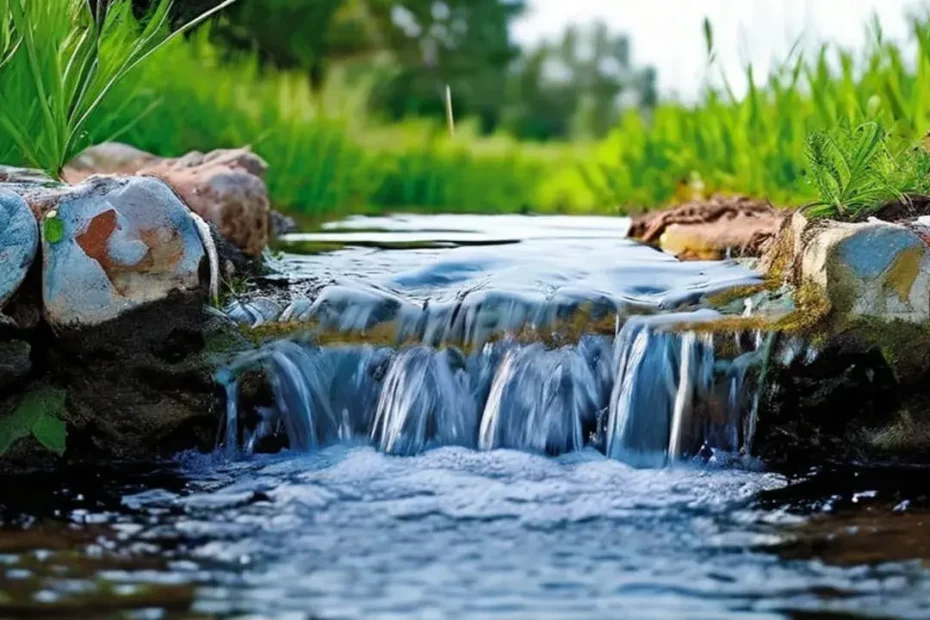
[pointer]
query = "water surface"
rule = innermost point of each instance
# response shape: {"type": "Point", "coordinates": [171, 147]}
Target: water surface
{"type": "Point", "coordinates": [339, 528]}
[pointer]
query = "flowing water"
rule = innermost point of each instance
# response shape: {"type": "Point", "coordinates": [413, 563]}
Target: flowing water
{"type": "Point", "coordinates": [486, 417]}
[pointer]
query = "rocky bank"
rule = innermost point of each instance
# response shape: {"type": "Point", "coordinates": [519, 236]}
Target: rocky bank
{"type": "Point", "coordinates": [111, 336]}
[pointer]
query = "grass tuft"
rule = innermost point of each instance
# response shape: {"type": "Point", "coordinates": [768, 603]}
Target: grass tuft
{"type": "Point", "coordinates": [59, 61]}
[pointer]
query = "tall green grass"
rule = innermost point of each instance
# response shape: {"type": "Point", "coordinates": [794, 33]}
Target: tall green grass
{"type": "Point", "coordinates": [328, 157]}
{"type": "Point", "coordinates": [759, 143]}
{"type": "Point", "coordinates": [58, 62]}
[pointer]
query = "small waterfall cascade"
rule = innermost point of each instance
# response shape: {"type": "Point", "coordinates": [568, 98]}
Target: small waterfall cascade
{"type": "Point", "coordinates": [650, 394]}
{"type": "Point", "coordinates": [425, 400]}
{"type": "Point", "coordinates": [673, 397]}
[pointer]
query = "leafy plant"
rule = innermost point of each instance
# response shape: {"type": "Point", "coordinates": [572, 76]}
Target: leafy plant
{"type": "Point", "coordinates": [58, 62]}
{"type": "Point", "coordinates": [38, 414]}
{"type": "Point", "coordinates": [855, 172]}
{"type": "Point", "coordinates": [852, 171]}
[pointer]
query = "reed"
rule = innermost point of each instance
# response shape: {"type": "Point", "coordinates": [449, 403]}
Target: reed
{"type": "Point", "coordinates": [116, 77]}
{"type": "Point", "coordinates": [58, 62]}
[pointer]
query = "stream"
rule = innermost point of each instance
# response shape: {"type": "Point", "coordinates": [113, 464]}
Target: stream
{"type": "Point", "coordinates": [492, 418]}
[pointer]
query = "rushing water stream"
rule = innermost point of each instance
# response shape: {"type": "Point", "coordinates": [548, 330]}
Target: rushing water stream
{"type": "Point", "coordinates": [492, 417]}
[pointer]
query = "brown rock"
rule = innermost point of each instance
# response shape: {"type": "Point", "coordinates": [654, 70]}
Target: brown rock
{"type": "Point", "coordinates": [108, 158]}
{"type": "Point", "coordinates": [710, 229]}
{"type": "Point", "coordinates": [224, 187]}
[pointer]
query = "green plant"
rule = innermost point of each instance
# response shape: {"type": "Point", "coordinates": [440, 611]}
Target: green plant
{"type": "Point", "coordinates": [58, 62]}
{"type": "Point", "coordinates": [38, 414]}
{"type": "Point", "coordinates": [852, 170]}
{"type": "Point", "coordinates": [855, 172]}
{"type": "Point", "coordinates": [758, 143]}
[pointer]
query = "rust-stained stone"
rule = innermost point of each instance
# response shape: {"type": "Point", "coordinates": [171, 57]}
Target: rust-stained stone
{"type": "Point", "coordinates": [113, 244]}
{"type": "Point", "coordinates": [225, 187]}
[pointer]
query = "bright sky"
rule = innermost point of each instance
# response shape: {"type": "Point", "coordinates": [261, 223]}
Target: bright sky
{"type": "Point", "coordinates": [668, 34]}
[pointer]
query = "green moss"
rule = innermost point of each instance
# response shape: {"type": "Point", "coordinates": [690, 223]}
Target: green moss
{"type": "Point", "coordinates": [905, 346]}
{"type": "Point", "coordinates": [810, 315]}
{"type": "Point", "coordinates": [723, 298]}
{"type": "Point", "coordinates": [223, 340]}
{"type": "Point", "coordinates": [53, 229]}
{"type": "Point", "coordinates": [38, 414]}
{"type": "Point", "coordinates": [906, 433]}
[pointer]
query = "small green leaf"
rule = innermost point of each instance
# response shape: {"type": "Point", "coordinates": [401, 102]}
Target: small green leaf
{"type": "Point", "coordinates": [53, 229]}
{"type": "Point", "coordinates": [39, 413]}
{"type": "Point", "coordinates": [12, 430]}
{"type": "Point", "coordinates": [50, 431]}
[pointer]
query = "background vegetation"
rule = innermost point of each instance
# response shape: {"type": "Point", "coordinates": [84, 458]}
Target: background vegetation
{"type": "Point", "coordinates": [344, 98]}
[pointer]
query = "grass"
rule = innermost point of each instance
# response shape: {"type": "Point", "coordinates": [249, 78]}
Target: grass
{"type": "Point", "coordinates": [855, 172]}
{"type": "Point", "coordinates": [837, 132]}
{"type": "Point", "coordinates": [327, 156]}
{"type": "Point", "coordinates": [58, 62]}
{"type": "Point", "coordinates": [760, 144]}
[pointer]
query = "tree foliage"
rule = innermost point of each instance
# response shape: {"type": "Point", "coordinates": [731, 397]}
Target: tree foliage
{"type": "Point", "coordinates": [573, 87]}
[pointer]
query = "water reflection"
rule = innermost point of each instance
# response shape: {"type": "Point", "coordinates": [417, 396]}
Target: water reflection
{"type": "Point", "coordinates": [351, 532]}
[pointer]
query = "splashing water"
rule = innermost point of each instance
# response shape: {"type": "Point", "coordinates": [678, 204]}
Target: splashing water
{"type": "Point", "coordinates": [527, 348]}
{"type": "Point", "coordinates": [647, 396]}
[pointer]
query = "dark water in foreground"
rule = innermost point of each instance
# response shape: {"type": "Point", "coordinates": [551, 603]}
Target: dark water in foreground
{"type": "Point", "coordinates": [349, 532]}
{"type": "Point", "coordinates": [345, 530]}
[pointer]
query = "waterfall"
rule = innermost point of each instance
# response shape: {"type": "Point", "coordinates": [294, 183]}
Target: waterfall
{"type": "Point", "coordinates": [231, 437]}
{"type": "Point", "coordinates": [541, 400]}
{"type": "Point", "coordinates": [424, 401]}
{"type": "Point", "coordinates": [648, 396]}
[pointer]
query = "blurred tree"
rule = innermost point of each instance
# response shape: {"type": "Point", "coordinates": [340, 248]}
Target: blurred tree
{"type": "Point", "coordinates": [463, 43]}
{"type": "Point", "coordinates": [576, 86]}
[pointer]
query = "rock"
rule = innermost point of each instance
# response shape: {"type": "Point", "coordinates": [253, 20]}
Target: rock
{"type": "Point", "coordinates": [24, 176]}
{"type": "Point", "coordinates": [872, 269]}
{"type": "Point", "coordinates": [282, 224]}
{"type": "Point", "coordinates": [710, 229]}
{"type": "Point", "coordinates": [113, 244]}
{"type": "Point", "coordinates": [108, 158]}
{"type": "Point", "coordinates": [15, 362]}
{"type": "Point", "coordinates": [225, 187]}
{"type": "Point", "coordinates": [19, 239]}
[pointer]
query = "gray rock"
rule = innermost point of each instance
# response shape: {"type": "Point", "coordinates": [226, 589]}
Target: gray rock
{"type": "Point", "coordinates": [225, 187]}
{"type": "Point", "coordinates": [111, 245]}
{"type": "Point", "coordinates": [14, 362]}
{"type": "Point", "coordinates": [872, 269]}
{"type": "Point", "coordinates": [19, 238]}
{"type": "Point", "coordinates": [282, 224]}
{"type": "Point", "coordinates": [25, 176]}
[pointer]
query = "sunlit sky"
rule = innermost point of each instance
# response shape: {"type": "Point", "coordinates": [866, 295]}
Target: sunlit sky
{"type": "Point", "coordinates": [668, 34]}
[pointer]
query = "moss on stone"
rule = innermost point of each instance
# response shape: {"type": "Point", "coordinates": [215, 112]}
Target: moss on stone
{"type": "Point", "coordinates": [906, 433]}
{"type": "Point", "coordinates": [725, 297]}
{"type": "Point", "coordinates": [811, 312]}
{"type": "Point", "coordinates": [904, 345]}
